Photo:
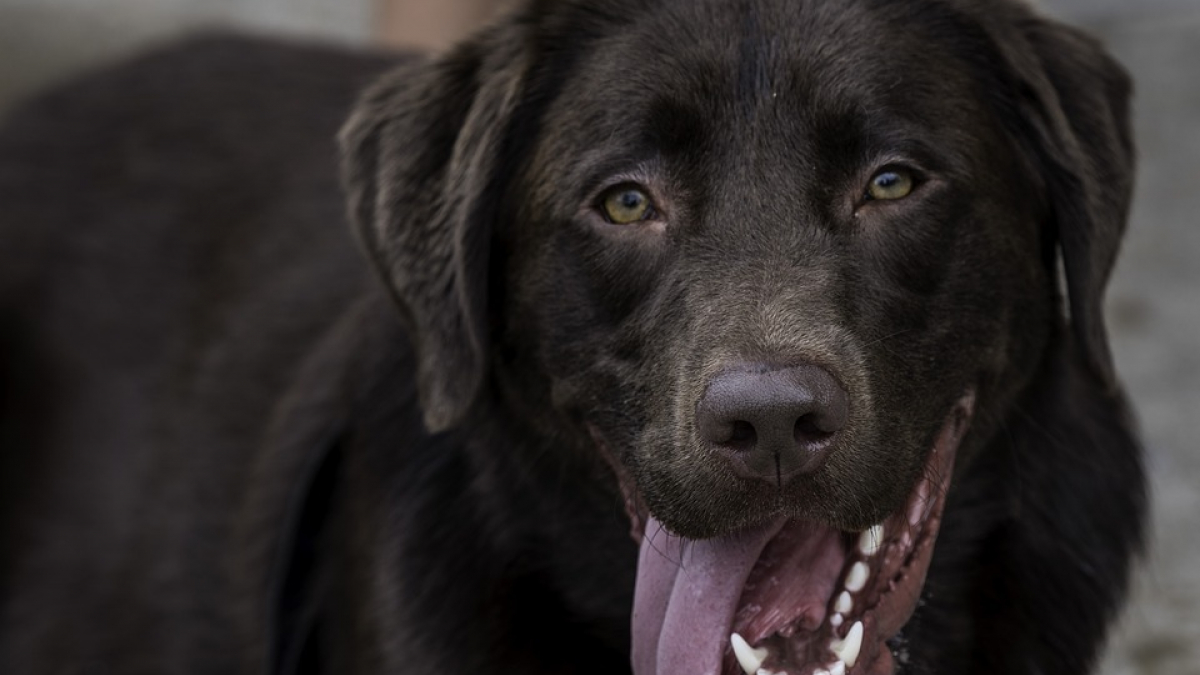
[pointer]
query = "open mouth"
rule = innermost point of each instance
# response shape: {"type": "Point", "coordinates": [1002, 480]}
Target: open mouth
{"type": "Point", "coordinates": [791, 597]}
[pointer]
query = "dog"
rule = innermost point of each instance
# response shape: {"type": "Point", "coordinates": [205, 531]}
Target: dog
{"type": "Point", "coordinates": [690, 337]}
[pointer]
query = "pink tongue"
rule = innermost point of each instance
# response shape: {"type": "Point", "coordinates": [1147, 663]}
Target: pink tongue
{"type": "Point", "coordinates": [686, 595]}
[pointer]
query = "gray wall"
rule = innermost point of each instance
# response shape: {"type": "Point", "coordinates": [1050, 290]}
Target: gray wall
{"type": "Point", "coordinates": [44, 40]}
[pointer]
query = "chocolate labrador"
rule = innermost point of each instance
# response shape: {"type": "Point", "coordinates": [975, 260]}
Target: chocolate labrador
{"type": "Point", "coordinates": [691, 338]}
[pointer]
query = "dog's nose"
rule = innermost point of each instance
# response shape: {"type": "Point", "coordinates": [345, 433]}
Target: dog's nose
{"type": "Point", "coordinates": [773, 424]}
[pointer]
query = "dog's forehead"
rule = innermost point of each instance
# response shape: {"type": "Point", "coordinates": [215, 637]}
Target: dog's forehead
{"type": "Point", "coordinates": [761, 46]}
{"type": "Point", "coordinates": [774, 71]}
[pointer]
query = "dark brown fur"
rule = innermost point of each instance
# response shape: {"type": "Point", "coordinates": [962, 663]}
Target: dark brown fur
{"type": "Point", "coordinates": [213, 419]}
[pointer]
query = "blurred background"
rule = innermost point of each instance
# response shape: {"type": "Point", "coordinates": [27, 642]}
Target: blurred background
{"type": "Point", "coordinates": [1154, 302]}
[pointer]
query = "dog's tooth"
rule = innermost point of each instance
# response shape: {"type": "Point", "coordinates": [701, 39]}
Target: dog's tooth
{"type": "Point", "coordinates": [821, 671]}
{"type": "Point", "coordinates": [844, 603]}
{"type": "Point", "coordinates": [857, 578]}
{"type": "Point", "coordinates": [749, 658]}
{"type": "Point", "coordinates": [764, 671]}
{"type": "Point", "coordinates": [870, 540]}
{"type": "Point", "coordinates": [837, 668]}
{"type": "Point", "coordinates": [836, 620]}
{"type": "Point", "coordinates": [847, 649]}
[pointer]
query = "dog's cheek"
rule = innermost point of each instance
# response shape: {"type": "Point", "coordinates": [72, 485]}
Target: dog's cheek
{"type": "Point", "coordinates": [1003, 286]}
{"type": "Point", "coordinates": [982, 323]}
{"type": "Point", "coordinates": [579, 315]}
{"type": "Point", "coordinates": [922, 338]}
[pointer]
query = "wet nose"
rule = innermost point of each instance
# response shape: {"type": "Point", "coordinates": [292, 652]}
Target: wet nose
{"type": "Point", "coordinates": [773, 424]}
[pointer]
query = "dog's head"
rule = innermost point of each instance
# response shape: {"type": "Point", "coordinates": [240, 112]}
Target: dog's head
{"type": "Point", "coordinates": [769, 257]}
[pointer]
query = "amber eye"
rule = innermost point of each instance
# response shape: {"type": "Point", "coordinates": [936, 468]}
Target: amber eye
{"type": "Point", "coordinates": [625, 204]}
{"type": "Point", "coordinates": [891, 183]}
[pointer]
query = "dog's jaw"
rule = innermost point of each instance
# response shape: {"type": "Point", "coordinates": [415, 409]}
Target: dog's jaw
{"type": "Point", "coordinates": [791, 597]}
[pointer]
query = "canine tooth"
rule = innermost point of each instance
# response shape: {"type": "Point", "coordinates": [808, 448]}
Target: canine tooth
{"type": "Point", "coordinates": [764, 671]}
{"type": "Point", "coordinates": [857, 578]}
{"type": "Point", "coordinates": [870, 540]}
{"type": "Point", "coordinates": [836, 620]}
{"type": "Point", "coordinates": [844, 603]}
{"type": "Point", "coordinates": [847, 649]}
{"type": "Point", "coordinates": [748, 657]}
{"type": "Point", "coordinates": [837, 668]}
{"type": "Point", "coordinates": [821, 671]}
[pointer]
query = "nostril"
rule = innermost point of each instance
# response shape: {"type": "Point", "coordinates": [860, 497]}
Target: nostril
{"type": "Point", "coordinates": [742, 437]}
{"type": "Point", "coordinates": [808, 432]}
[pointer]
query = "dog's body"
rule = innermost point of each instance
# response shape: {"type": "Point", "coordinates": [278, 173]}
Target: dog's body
{"type": "Point", "coordinates": [213, 417]}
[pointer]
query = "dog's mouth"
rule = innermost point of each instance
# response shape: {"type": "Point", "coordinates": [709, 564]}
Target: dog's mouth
{"type": "Point", "coordinates": [791, 597]}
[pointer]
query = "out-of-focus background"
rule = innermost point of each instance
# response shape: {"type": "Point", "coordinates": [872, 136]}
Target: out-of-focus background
{"type": "Point", "coordinates": [1154, 302]}
{"type": "Point", "coordinates": [42, 41]}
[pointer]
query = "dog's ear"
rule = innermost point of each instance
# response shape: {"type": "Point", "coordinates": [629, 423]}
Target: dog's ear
{"type": "Point", "coordinates": [1076, 99]}
{"type": "Point", "coordinates": [422, 156]}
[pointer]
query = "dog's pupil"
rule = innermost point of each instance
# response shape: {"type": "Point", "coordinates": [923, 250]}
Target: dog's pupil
{"type": "Point", "coordinates": [631, 200]}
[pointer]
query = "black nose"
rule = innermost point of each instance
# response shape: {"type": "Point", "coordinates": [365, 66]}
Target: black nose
{"type": "Point", "coordinates": [773, 424]}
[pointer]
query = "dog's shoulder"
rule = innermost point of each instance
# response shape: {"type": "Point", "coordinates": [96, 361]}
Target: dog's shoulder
{"type": "Point", "coordinates": [173, 246]}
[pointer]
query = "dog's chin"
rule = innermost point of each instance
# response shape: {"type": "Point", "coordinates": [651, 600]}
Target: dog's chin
{"type": "Point", "coordinates": [792, 596]}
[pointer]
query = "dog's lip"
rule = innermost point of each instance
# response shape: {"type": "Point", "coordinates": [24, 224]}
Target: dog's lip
{"type": "Point", "coordinates": [692, 635]}
{"type": "Point", "coordinates": [635, 507]}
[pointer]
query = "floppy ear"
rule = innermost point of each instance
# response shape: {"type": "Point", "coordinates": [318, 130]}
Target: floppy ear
{"type": "Point", "coordinates": [1077, 100]}
{"type": "Point", "coordinates": [421, 156]}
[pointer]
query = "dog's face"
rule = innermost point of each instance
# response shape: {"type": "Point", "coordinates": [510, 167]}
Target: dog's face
{"type": "Point", "coordinates": [781, 189]}
{"type": "Point", "coordinates": [768, 258]}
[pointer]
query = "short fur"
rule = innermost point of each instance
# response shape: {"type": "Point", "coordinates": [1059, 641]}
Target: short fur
{"type": "Point", "coordinates": [228, 448]}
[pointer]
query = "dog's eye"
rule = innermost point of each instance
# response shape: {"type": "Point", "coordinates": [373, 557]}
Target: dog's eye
{"type": "Point", "coordinates": [891, 183]}
{"type": "Point", "coordinates": [625, 204]}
